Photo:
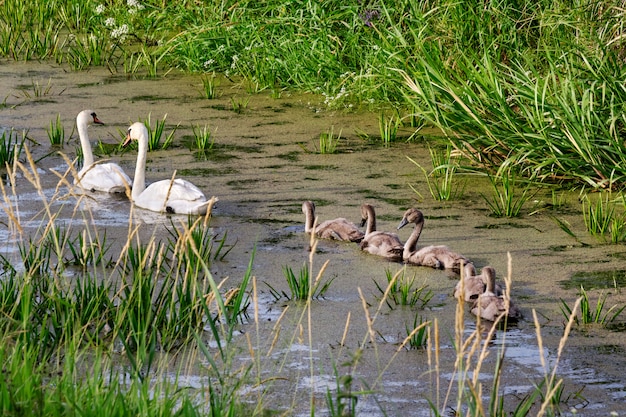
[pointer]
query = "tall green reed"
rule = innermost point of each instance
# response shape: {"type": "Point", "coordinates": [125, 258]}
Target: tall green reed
{"type": "Point", "coordinates": [328, 141]}
{"type": "Point", "coordinates": [590, 314]}
{"type": "Point", "coordinates": [56, 132]}
{"type": "Point", "coordinates": [442, 178]}
{"type": "Point", "coordinates": [156, 134]}
{"type": "Point", "coordinates": [10, 147]}
{"type": "Point", "coordinates": [506, 199]}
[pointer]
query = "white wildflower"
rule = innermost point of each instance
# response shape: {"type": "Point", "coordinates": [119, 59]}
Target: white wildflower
{"type": "Point", "coordinates": [208, 63]}
{"type": "Point", "coordinates": [110, 22]}
{"type": "Point", "coordinates": [120, 32]}
{"type": "Point", "coordinates": [234, 64]}
{"type": "Point", "coordinates": [100, 9]}
{"type": "Point", "coordinates": [134, 4]}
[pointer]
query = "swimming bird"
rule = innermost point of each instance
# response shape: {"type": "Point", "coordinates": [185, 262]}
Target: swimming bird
{"type": "Point", "coordinates": [470, 286]}
{"type": "Point", "coordinates": [107, 177]}
{"type": "Point", "coordinates": [337, 229]}
{"type": "Point", "coordinates": [490, 306]}
{"type": "Point", "coordinates": [172, 196]}
{"type": "Point", "coordinates": [473, 284]}
{"type": "Point", "coordinates": [385, 244]}
{"type": "Point", "coordinates": [435, 256]}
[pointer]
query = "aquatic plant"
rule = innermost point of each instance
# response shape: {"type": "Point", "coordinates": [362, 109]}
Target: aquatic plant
{"type": "Point", "coordinates": [328, 141]}
{"type": "Point", "coordinates": [400, 290]}
{"type": "Point", "coordinates": [239, 104]}
{"type": "Point", "coordinates": [10, 147]}
{"type": "Point", "coordinates": [203, 139]}
{"type": "Point", "coordinates": [343, 400]}
{"type": "Point", "coordinates": [156, 134]}
{"type": "Point", "coordinates": [590, 314]}
{"type": "Point", "coordinates": [417, 333]}
{"type": "Point", "coordinates": [442, 178]}
{"type": "Point", "coordinates": [210, 83]}
{"type": "Point", "coordinates": [506, 201]}
{"type": "Point", "coordinates": [603, 219]}
{"type": "Point", "coordinates": [388, 127]}
{"type": "Point", "coordinates": [37, 90]}
{"type": "Point", "coordinates": [301, 286]}
{"type": "Point", "coordinates": [56, 132]}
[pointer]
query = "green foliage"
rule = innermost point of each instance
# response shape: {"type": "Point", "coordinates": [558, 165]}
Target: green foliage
{"type": "Point", "coordinates": [156, 134]}
{"type": "Point", "coordinates": [328, 141]}
{"type": "Point", "coordinates": [388, 128]}
{"type": "Point", "coordinates": [239, 105]}
{"type": "Point", "coordinates": [56, 132]}
{"type": "Point", "coordinates": [441, 180]}
{"type": "Point", "coordinates": [10, 147]}
{"type": "Point", "coordinates": [417, 334]}
{"type": "Point", "coordinates": [203, 139]}
{"type": "Point", "coordinates": [603, 219]}
{"type": "Point", "coordinates": [301, 286]}
{"type": "Point", "coordinates": [590, 314]}
{"type": "Point", "coordinates": [506, 201]}
{"type": "Point", "coordinates": [210, 83]}
{"type": "Point", "coordinates": [400, 290]}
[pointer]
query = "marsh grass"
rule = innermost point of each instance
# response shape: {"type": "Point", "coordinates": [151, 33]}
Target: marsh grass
{"type": "Point", "coordinates": [590, 314]}
{"type": "Point", "coordinates": [605, 219]}
{"type": "Point", "coordinates": [388, 128]}
{"type": "Point", "coordinates": [10, 147]}
{"type": "Point", "coordinates": [328, 141]}
{"type": "Point", "coordinates": [402, 291]}
{"type": "Point", "coordinates": [37, 90]}
{"type": "Point", "coordinates": [417, 333]}
{"type": "Point", "coordinates": [210, 84]}
{"type": "Point", "coordinates": [203, 138]}
{"type": "Point", "coordinates": [442, 180]}
{"type": "Point", "coordinates": [301, 286]}
{"type": "Point", "coordinates": [156, 134]}
{"type": "Point", "coordinates": [239, 104]}
{"type": "Point", "coordinates": [472, 352]}
{"type": "Point", "coordinates": [507, 200]}
{"type": "Point", "coordinates": [56, 132]}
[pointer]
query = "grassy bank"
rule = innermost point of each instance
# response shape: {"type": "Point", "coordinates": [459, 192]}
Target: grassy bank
{"type": "Point", "coordinates": [535, 85]}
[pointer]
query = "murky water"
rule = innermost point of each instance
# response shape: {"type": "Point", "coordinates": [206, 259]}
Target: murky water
{"type": "Point", "coordinates": [264, 165]}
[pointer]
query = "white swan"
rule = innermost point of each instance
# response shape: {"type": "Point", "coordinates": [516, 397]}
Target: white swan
{"type": "Point", "coordinates": [107, 177]}
{"type": "Point", "coordinates": [172, 196]}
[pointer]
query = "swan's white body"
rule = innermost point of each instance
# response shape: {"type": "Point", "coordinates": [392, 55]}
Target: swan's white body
{"type": "Point", "coordinates": [106, 177]}
{"type": "Point", "coordinates": [172, 196]}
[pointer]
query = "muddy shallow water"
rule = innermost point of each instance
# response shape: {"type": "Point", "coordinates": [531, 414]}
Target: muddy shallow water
{"type": "Point", "coordinates": [263, 168]}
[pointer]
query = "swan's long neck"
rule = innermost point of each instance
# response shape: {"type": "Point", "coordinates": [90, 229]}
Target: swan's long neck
{"type": "Point", "coordinates": [371, 220]}
{"type": "Point", "coordinates": [84, 144]}
{"type": "Point", "coordinates": [139, 182]}
{"type": "Point", "coordinates": [309, 215]}
{"type": "Point", "coordinates": [410, 245]}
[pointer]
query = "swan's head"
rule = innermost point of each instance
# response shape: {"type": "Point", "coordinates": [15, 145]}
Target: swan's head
{"type": "Point", "coordinates": [469, 270]}
{"type": "Point", "coordinates": [489, 274]}
{"type": "Point", "coordinates": [366, 209]}
{"type": "Point", "coordinates": [136, 131]}
{"type": "Point", "coordinates": [412, 215]}
{"type": "Point", "coordinates": [308, 207]}
{"type": "Point", "coordinates": [87, 117]}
